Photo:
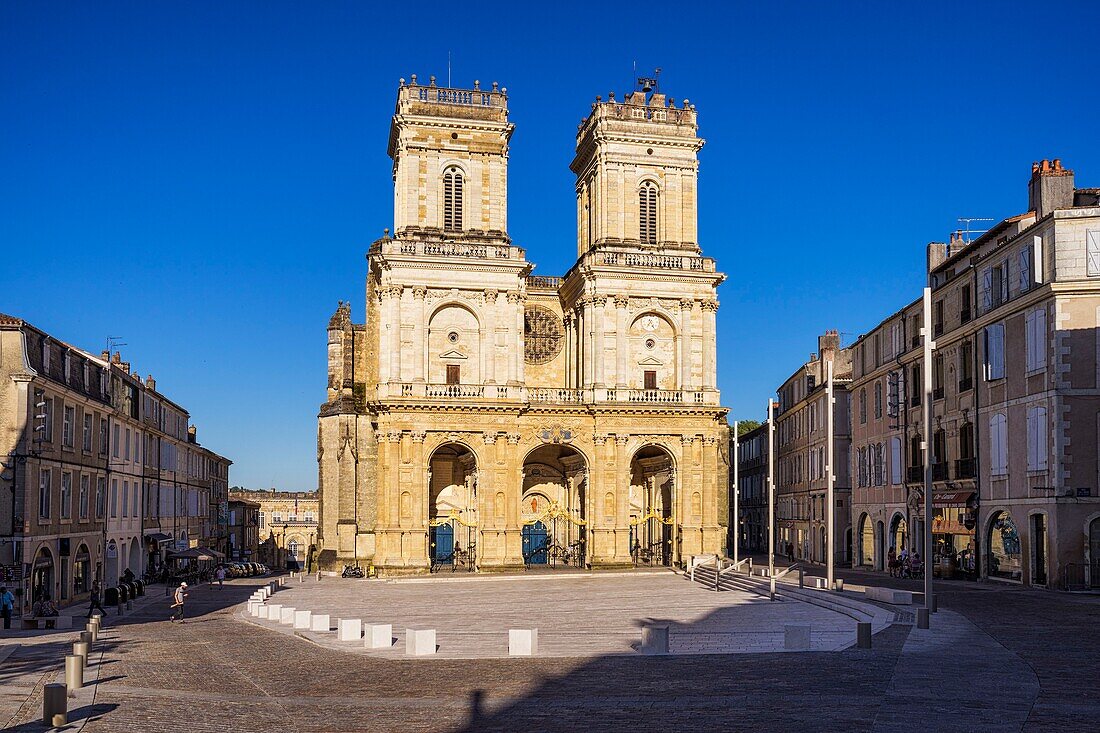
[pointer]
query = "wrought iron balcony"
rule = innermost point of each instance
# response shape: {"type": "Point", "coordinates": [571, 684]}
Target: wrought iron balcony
{"type": "Point", "coordinates": [939, 471]}
{"type": "Point", "coordinates": [966, 468]}
{"type": "Point", "coordinates": [966, 384]}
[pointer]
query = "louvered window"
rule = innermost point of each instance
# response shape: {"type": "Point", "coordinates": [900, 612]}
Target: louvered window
{"type": "Point", "coordinates": [647, 213]}
{"type": "Point", "coordinates": [452, 199]}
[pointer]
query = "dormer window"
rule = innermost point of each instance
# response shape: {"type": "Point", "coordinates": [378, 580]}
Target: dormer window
{"type": "Point", "coordinates": [452, 199]}
{"type": "Point", "coordinates": [647, 213]}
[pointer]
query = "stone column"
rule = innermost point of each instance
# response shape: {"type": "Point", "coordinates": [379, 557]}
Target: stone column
{"type": "Point", "coordinates": [395, 333]}
{"type": "Point", "coordinates": [710, 308]}
{"type": "Point", "coordinates": [599, 312]}
{"type": "Point", "coordinates": [621, 347]}
{"type": "Point", "coordinates": [423, 474]}
{"type": "Point", "coordinates": [586, 343]}
{"type": "Point", "coordinates": [515, 353]}
{"type": "Point", "coordinates": [567, 319]}
{"type": "Point", "coordinates": [384, 335]}
{"type": "Point", "coordinates": [420, 336]}
{"type": "Point", "coordinates": [685, 344]}
{"type": "Point", "coordinates": [513, 550]}
{"type": "Point", "coordinates": [489, 337]}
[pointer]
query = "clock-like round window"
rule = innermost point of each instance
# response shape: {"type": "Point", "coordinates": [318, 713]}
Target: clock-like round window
{"type": "Point", "coordinates": [543, 334]}
{"type": "Point", "coordinates": [453, 337]}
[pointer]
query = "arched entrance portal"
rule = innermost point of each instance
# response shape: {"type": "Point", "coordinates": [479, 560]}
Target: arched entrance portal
{"type": "Point", "coordinates": [452, 506]}
{"type": "Point", "coordinates": [554, 507]}
{"type": "Point", "coordinates": [899, 533]}
{"type": "Point", "coordinates": [112, 563]}
{"type": "Point", "coordinates": [866, 542]}
{"type": "Point", "coordinates": [42, 577]}
{"type": "Point", "coordinates": [653, 522]}
{"type": "Point", "coordinates": [135, 557]}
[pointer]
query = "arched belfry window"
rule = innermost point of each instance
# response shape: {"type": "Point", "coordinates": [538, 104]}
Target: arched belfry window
{"type": "Point", "coordinates": [452, 199]}
{"type": "Point", "coordinates": [647, 213]}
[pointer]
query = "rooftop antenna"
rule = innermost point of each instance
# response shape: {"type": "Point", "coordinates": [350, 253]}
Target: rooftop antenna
{"type": "Point", "coordinates": [967, 231]}
{"type": "Point", "coordinates": [448, 69]}
{"type": "Point", "coordinates": [113, 342]}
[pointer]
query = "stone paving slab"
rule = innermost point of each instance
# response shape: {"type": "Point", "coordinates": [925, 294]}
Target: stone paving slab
{"type": "Point", "coordinates": [576, 615]}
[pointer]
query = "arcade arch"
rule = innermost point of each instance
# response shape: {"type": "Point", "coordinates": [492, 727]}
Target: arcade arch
{"type": "Point", "coordinates": [554, 506]}
{"type": "Point", "coordinates": [452, 504]}
{"type": "Point", "coordinates": [651, 507]}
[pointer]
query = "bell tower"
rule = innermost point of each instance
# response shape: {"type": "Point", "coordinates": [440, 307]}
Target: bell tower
{"type": "Point", "coordinates": [637, 171]}
{"type": "Point", "coordinates": [450, 162]}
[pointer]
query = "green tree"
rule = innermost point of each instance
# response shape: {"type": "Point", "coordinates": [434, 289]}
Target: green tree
{"type": "Point", "coordinates": [745, 426]}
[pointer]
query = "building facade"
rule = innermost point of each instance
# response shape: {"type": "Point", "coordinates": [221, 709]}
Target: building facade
{"type": "Point", "coordinates": [752, 487]}
{"type": "Point", "coordinates": [287, 524]}
{"type": "Point", "coordinates": [243, 537]}
{"type": "Point", "coordinates": [484, 413]}
{"type": "Point", "coordinates": [1016, 382]}
{"type": "Point", "coordinates": [84, 461]}
{"type": "Point", "coordinates": [801, 440]}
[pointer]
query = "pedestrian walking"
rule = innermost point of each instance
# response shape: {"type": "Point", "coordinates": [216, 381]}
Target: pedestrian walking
{"type": "Point", "coordinates": [95, 599]}
{"type": "Point", "coordinates": [7, 605]}
{"type": "Point", "coordinates": [220, 575]}
{"type": "Point", "coordinates": [178, 597]}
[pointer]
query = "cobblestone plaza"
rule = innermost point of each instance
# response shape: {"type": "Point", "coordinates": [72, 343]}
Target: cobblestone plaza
{"type": "Point", "coordinates": [983, 666]}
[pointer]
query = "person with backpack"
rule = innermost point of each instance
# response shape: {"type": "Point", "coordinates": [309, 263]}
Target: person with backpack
{"type": "Point", "coordinates": [95, 598]}
{"type": "Point", "coordinates": [7, 605]}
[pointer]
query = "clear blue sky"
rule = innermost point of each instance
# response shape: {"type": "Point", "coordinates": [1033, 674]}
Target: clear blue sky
{"type": "Point", "coordinates": [203, 179]}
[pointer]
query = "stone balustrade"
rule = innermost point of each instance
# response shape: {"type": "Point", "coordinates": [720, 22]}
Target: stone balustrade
{"type": "Point", "coordinates": [544, 395]}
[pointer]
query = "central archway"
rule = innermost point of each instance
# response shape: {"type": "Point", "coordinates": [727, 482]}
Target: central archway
{"type": "Point", "coordinates": [554, 506]}
{"type": "Point", "coordinates": [653, 521]}
{"type": "Point", "coordinates": [452, 505]}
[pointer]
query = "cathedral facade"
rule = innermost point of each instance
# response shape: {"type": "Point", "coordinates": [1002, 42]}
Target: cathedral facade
{"type": "Point", "coordinates": [485, 417]}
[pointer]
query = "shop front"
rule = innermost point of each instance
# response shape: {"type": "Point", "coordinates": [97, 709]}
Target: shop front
{"type": "Point", "coordinates": [954, 519]}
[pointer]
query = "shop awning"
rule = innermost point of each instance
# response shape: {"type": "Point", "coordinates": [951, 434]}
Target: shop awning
{"type": "Point", "coordinates": [942, 499]}
{"type": "Point", "coordinates": [215, 553]}
{"type": "Point", "coordinates": [195, 553]}
{"type": "Point", "coordinates": [159, 537]}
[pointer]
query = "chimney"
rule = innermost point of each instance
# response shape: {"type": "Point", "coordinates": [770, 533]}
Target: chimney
{"type": "Point", "coordinates": [125, 366]}
{"type": "Point", "coordinates": [1050, 187]}
{"type": "Point", "coordinates": [116, 358]}
{"type": "Point", "coordinates": [105, 355]}
{"type": "Point", "coordinates": [937, 255]}
{"type": "Point", "coordinates": [192, 434]}
{"type": "Point", "coordinates": [828, 344]}
{"type": "Point", "coordinates": [150, 383]}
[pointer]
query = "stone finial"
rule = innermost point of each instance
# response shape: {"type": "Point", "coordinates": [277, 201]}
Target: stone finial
{"type": "Point", "coordinates": [611, 96]}
{"type": "Point", "coordinates": [504, 91]}
{"type": "Point", "coordinates": [477, 85]}
{"type": "Point", "coordinates": [598, 99]}
{"type": "Point", "coordinates": [401, 81]}
{"type": "Point", "coordinates": [386, 233]}
{"type": "Point", "coordinates": [431, 79]}
{"type": "Point", "coordinates": [414, 79]}
{"type": "Point", "coordinates": [495, 86]}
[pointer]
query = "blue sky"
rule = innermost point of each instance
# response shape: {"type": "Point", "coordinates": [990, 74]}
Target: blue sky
{"type": "Point", "coordinates": [203, 179]}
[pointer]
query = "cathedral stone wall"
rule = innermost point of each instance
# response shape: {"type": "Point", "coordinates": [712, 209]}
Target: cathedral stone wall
{"type": "Point", "coordinates": [486, 416]}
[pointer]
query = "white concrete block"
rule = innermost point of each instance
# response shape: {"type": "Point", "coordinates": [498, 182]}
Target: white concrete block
{"type": "Point", "coordinates": [252, 606]}
{"type": "Point", "coordinates": [890, 595]}
{"type": "Point", "coordinates": [263, 611]}
{"type": "Point", "coordinates": [319, 622]}
{"type": "Point", "coordinates": [523, 642]}
{"type": "Point", "coordinates": [379, 636]}
{"type": "Point", "coordinates": [63, 622]}
{"type": "Point", "coordinates": [796, 637]}
{"type": "Point", "coordinates": [273, 611]}
{"type": "Point", "coordinates": [286, 615]}
{"type": "Point", "coordinates": [419, 642]}
{"type": "Point", "coordinates": [302, 619]}
{"type": "Point", "coordinates": [655, 639]}
{"type": "Point", "coordinates": [349, 629]}
{"type": "Point", "coordinates": [821, 583]}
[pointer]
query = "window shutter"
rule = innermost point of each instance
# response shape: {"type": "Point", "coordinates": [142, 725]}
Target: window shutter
{"type": "Point", "coordinates": [987, 289]}
{"type": "Point", "coordinates": [1032, 440]}
{"type": "Point", "coordinates": [1029, 338]}
{"type": "Point", "coordinates": [1093, 252]}
{"type": "Point", "coordinates": [1040, 329]}
{"type": "Point", "coordinates": [895, 461]}
{"type": "Point", "coordinates": [1025, 269]}
{"type": "Point", "coordinates": [1004, 281]}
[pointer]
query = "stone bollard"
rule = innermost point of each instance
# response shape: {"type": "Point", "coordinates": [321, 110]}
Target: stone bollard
{"type": "Point", "coordinates": [74, 673]}
{"type": "Point", "coordinates": [319, 622]}
{"type": "Point", "coordinates": [796, 637]}
{"type": "Point", "coordinates": [286, 615]}
{"type": "Point", "coordinates": [55, 705]}
{"type": "Point", "coordinates": [263, 611]}
{"type": "Point", "coordinates": [87, 637]}
{"type": "Point", "coordinates": [349, 629]}
{"type": "Point", "coordinates": [302, 619]}
{"type": "Point", "coordinates": [92, 629]}
{"type": "Point", "coordinates": [523, 642]}
{"type": "Point", "coordinates": [863, 635]}
{"type": "Point", "coordinates": [274, 610]}
{"type": "Point", "coordinates": [419, 642]}
{"type": "Point", "coordinates": [922, 618]}
{"type": "Point", "coordinates": [839, 585]}
{"type": "Point", "coordinates": [655, 639]}
{"type": "Point", "coordinates": [301, 577]}
{"type": "Point", "coordinates": [379, 636]}
{"type": "Point", "coordinates": [318, 576]}
{"type": "Point", "coordinates": [80, 649]}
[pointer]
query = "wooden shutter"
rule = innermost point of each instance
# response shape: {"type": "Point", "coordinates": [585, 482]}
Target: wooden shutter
{"type": "Point", "coordinates": [453, 373]}
{"type": "Point", "coordinates": [1093, 252]}
{"type": "Point", "coordinates": [649, 379]}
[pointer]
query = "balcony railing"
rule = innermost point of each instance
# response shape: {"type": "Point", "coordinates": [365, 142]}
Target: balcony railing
{"type": "Point", "coordinates": [966, 468]}
{"type": "Point", "coordinates": [915, 474]}
{"type": "Point", "coordinates": [966, 384]}
{"type": "Point", "coordinates": [964, 315]}
{"type": "Point", "coordinates": [939, 471]}
{"type": "Point", "coordinates": [937, 393]}
{"type": "Point", "coordinates": [432, 247]}
{"type": "Point", "coordinates": [664, 262]}
{"type": "Point", "coordinates": [914, 401]}
{"type": "Point", "coordinates": [544, 395]}
{"type": "Point", "coordinates": [543, 282]}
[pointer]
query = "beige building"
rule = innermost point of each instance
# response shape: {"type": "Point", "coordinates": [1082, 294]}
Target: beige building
{"type": "Point", "coordinates": [1016, 391]}
{"type": "Point", "coordinates": [485, 415]}
{"type": "Point", "coordinates": [287, 525]}
{"type": "Point", "coordinates": [801, 440]}
{"type": "Point", "coordinates": [86, 453]}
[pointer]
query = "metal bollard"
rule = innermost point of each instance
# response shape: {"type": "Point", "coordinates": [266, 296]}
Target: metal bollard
{"type": "Point", "coordinates": [80, 649]}
{"type": "Point", "coordinates": [801, 578]}
{"type": "Point", "coordinates": [839, 583]}
{"type": "Point", "coordinates": [318, 576]}
{"type": "Point", "coordinates": [129, 605]}
{"type": "Point", "coordinates": [120, 612]}
{"type": "Point", "coordinates": [93, 629]}
{"type": "Point", "coordinates": [922, 618]}
{"type": "Point", "coordinates": [863, 635]}
{"type": "Point", "coordinates": [74, 673]}
{"type": "Point", "coordinates": [935, 605]}
{"type": "Point", "coordinates": [55, 705]}
{"type": "Point", "coordinates": [86, 637]}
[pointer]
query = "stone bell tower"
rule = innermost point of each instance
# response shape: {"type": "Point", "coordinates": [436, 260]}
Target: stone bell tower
{"type": "Point", "coordinates": [637, 170]}
{"type": "Point", "coordinates": [450, 161]}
